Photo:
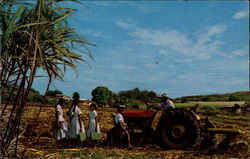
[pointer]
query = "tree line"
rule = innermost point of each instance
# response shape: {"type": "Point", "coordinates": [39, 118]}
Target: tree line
{"type": "Point", "coordinates": [132, 98]}
{"type": "Point", "coordinates": [234, 96]}
{"type": "Point", "coordinates": [34, 96]}
{"type": "Point", "coordinates": [103, 96]}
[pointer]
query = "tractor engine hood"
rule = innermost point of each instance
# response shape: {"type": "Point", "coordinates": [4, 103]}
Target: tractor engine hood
{"type": "Point", "coordinates": [138, 113]}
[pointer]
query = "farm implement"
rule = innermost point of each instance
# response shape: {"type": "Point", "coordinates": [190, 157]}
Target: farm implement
{"type": "Point", "coordinates": [175, 129]}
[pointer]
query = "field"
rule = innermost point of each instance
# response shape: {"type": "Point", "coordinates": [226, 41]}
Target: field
{"type": "Point", "coordinates": [37, 139]}
{"type": "Point", "coordinates": [211, 104]}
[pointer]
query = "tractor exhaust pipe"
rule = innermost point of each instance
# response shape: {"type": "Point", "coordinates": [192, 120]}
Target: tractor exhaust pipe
{"type": "Point", "coordinates": [228, 131]}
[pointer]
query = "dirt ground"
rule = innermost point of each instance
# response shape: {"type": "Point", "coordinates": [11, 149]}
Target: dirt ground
{"type": "Point", "coordinates": [38, 141]}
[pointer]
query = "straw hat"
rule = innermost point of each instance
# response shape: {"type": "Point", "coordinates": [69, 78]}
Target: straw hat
{"type": "Point", "coordinates": [164, 95]}
{"type": "Point", "coordinates": [122, 106]}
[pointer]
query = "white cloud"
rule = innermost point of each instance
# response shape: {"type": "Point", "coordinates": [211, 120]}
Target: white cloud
{"type": "Point", "coordinates": [123, 67]}
{"type": "Point", "coordinates": [143, 77]}
{"type": "Point", "coordinates": [172, 39]}
{"type": "Point", "coordinates": [102, 3]}
{"type": "Point", "coordinates": [151, 65]}
{"type": "Point", "coordinates": [216, 30]}
{"type": "Point", "coordinates": [241, 14]}
{"type": "Point", "coordinates": [147, 8]}
{"type": "Point", "coordinates": [91, 80]}
{"type": "Point", "coordinates": [240, 52]}
{"type": "Point", "coordinates": [94, 33]}
{"type": "Point", "coordinates": [124, 25]}
{"type": "Point", "coordinates": [205, 45]}
{"type": "Point", "coordinates": [163, 52]}
{"type": "Point", "coordinates": [184, 61]}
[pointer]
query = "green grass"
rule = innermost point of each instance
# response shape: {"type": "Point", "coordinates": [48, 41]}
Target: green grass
{"type": "Point", "coordinates": [211, 107]}
{"type": "Point", "coordinates": [234, 96]}
{"type": "Point", "coordinates": [187, 105]}
{"type": "Point", "coordinates": [202, 106]}
{"type": "Point", "coordinates": [181, 105]}
{"type": "Point", "coordinates": [230, 121]}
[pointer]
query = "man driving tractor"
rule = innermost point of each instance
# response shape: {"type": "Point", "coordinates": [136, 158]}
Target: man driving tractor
{"type": "Point", "coordinates": [165, 104]}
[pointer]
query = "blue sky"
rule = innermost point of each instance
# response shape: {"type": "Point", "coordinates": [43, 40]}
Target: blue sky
{"type": "Point", "coordinates": [178, 47]}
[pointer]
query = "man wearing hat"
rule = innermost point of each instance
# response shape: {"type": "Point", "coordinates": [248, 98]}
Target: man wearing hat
{"type": "Point", "coordinates": [165, 104]}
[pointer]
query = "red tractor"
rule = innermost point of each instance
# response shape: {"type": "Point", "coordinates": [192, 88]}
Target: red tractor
{"type": "Point", "coordinates": [173, 129]}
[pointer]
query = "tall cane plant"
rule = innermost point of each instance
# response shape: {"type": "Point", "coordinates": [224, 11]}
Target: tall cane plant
{"type": "Point", "coordinates": [32, 37]}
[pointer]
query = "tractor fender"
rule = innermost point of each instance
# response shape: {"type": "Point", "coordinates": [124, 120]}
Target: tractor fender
{"type": "Point", "coordinates": [195, 115]}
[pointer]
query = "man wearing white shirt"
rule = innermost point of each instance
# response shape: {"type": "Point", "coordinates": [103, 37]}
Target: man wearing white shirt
{"type": "Point", "coordinates": [118, 116]}
{"type": "Point", "coordinates": [120, 127]}
{"type": "Point", "coordinates": [166, 103]}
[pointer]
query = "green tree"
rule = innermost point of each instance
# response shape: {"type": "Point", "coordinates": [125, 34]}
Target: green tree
{"type": "Point", "coordinates": [138, 94]}
{"type": "Point", "coordinates": [101, 95]}
{"type": "Point", "coordinates": [121, 100]}
{"type": "Point", "coordinates": [233, 98]}
{"type": "Point", "coordinates": [205, 98]}
{"type": "Point", "coordinates": [53, 93]}
{"type": "Point", "coordinates": [151, 94]}
{"type": "Point", "coordinates": [135, 105]}
{"type": "Point", "coordinates": [34, 96]}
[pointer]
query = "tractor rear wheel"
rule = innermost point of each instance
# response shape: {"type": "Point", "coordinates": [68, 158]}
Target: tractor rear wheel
{"type": "Point", "coordinates": [179, 129]}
